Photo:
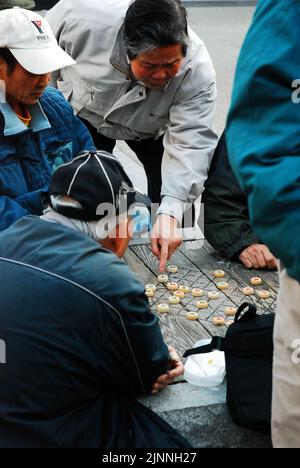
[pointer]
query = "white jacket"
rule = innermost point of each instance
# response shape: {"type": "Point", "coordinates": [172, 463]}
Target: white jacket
{"type": "Point", "coordinates": [100, 89]}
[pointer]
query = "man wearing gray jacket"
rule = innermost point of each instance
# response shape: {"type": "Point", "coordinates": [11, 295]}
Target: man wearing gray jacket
{"type": "Point", "coordinates": [144, 77]}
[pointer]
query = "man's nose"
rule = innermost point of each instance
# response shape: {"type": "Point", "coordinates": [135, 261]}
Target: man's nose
{"type": "Point", "coordinates": [160, 74]}
{"type": "Point", "coordinates": [45, 79]}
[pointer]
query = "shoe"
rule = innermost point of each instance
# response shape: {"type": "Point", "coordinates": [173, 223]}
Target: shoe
{"type": "Point", "coordinates": [26, 4]}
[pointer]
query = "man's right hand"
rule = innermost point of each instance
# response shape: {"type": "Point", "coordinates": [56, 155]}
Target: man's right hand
{"type": "Point", "coordinates": [165, 239]}
{"type": "Point", "coordinates": [258, 256]}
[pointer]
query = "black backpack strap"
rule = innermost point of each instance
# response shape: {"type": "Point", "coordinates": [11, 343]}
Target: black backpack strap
{"type": "Point", "coordinates": [215, 344]}
{"type": "Point", "coordinates": [249, 314]}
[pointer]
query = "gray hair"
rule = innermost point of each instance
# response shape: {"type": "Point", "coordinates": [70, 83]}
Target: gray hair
{"type": "Point", "coordinates": [97, 230]}
{"type": "Point", "coordinates": [138, 216]}
{"type": "Point", "coordinates": [150, 24]}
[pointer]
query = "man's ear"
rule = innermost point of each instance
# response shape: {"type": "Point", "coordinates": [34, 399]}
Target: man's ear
{"type": "Point", "coordinates": [116, 245]}
{"type": "Point", "coordinates": [121, 246]}
{"type": "Point", "coordinates": [118, 241]}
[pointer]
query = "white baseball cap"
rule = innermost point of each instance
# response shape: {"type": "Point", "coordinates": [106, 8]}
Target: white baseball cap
{"type": "Point", "coordinates": [30, 39]}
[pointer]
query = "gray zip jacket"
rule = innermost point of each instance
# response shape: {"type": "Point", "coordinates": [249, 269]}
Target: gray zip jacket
{"type": "Point", "coordinates": [101, 89]}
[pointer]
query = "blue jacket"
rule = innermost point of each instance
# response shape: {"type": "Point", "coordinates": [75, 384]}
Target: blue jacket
{"type": "Point", "coordinates": [28, 156]}
{"type": "Point", "coordinates": [81, 344]}
{"type": "Point", "coordinates": [263, 131]}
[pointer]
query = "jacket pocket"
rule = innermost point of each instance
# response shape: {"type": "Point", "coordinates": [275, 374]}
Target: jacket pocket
{"type": "Point", "coordinates": [58, 153]}
{"type": "Point", "coordinates": [81, 94]}
{"type": "Point", "coordinates": [157, 122]}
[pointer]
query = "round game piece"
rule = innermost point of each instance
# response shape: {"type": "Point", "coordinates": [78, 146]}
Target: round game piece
{"type": "Point", "coordinates": [172, 269]}
{"type": "Point", "coordinates": [213, 295]}
{"type": "Point", "coordinates": [179, 294]}
{"type": "Point", "coordinates": [219, 274]}
{"type": "Point", "coordinates": [256, 281]}
{"type": "Point", "coordinates": [149, 292]}
{"type": "Point", "coordinates": [163, 308]}
{"type": "Point", "coordinates": [192, 316]}
{"type": "Point", "coordinates": [218, 321]}
{"type": "Point", "coordinates": [230, 311]}
{"type": "Point", "coordinates": [150, 286]}
{"type": "Point", "coordinates": [197, 292]}
{"type": "Point", "coordinates": [162, 278]}
{"type": "Point", "coordinates": [174, 300]}
{"type": "Point", "coordinates": [202, 304]}
{"type": "Point", "coordinates": [248, 291]}
{"type": "Point", "coordinates": [172, 286]}
{"type": "Point", "coordinates": [264, 294]}
{"type": "Point", "coordinates": [229, 323]}
{"type": "Point", "coordinates": [184, 288]}
{"type": "Point", "coordinates": [222, 286]}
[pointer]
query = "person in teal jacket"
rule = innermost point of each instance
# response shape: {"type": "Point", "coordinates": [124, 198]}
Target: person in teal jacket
{"type": "Point", "coordinates": [263, 137]}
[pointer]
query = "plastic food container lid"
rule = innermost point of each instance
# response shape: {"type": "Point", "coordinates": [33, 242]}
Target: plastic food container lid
{"type": "Point", "coordinates": [205, 370]}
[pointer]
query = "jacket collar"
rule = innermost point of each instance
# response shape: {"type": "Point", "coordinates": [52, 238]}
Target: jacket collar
{"type": "Point", "coordinates": [118, 57]}
{"type": "Point", "coordinates": [14, 126]}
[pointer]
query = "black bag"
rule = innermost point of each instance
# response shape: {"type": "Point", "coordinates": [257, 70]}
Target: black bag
{"type": "Point", "coordinates": [248, 347]}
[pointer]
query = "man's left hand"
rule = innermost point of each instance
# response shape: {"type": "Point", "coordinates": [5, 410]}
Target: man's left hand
{"type": "Point", "coordinates": [258, 256]}
{"type": "Point", "coordinates": [165, 239]}
{"type": "Point", "coordinates": [176, 370]}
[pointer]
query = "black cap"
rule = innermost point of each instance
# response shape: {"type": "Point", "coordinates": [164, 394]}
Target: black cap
{"type": "Point", "coordinates": [92, 179]}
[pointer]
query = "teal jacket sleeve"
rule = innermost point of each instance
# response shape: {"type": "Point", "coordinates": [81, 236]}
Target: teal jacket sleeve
{"type": "Point", "coordinates": [263, 131]}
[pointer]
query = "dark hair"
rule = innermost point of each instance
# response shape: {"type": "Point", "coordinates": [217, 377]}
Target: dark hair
{"type": "Point", "coordinates": [155, 23]}
{"type": "Point", "coordinates": [9, 58]}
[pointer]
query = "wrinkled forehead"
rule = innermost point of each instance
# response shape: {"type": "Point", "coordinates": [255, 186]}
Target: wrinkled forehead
{"type": "Point", "coordinates": [162, 55]}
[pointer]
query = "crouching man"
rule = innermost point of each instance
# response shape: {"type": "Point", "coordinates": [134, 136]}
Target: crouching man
{"type": "Point", "coordinates": [81, 341]}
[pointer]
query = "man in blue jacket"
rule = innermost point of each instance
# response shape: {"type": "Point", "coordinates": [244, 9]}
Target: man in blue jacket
{"type": "Point", "coordinates": [264, 147]}
{"type": "Point", "coordinates": [38, 130]}
{"type": "Point", "coordinates": [81, 340]}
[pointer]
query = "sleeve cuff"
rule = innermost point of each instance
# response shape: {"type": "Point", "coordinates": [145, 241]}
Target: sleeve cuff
{"type": "Point", "coordinates": [172, 207]}
{"type": "Point", "coordinates": [234, 250]}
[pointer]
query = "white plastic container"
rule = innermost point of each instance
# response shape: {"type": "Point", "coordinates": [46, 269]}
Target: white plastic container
{"type": "Point", "coordinates": [205, 370]}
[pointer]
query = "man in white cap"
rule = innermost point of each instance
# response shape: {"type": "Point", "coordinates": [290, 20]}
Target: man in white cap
{"type": "Point", "coordinates": [38, 129]}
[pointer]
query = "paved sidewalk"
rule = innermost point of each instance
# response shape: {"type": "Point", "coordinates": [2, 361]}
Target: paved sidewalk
{"type": "Point", "coordinates": [202, 417]}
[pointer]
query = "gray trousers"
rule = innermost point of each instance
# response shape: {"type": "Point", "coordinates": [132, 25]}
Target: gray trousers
{"type": "Point", "coordinates": [286, 366]}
